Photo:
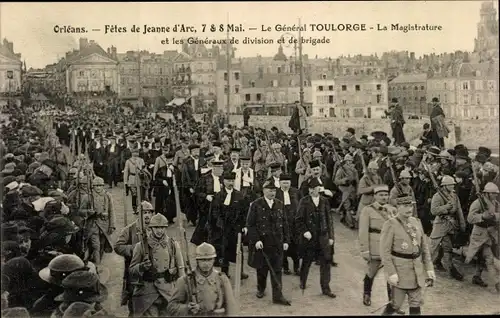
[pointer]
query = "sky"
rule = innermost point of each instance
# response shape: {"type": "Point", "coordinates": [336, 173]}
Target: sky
{"type": "Point", "coordinates": [31, 26]}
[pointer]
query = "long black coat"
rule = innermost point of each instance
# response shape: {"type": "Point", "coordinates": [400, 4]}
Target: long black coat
{"type": "Point", "coordinates": [225, 223]}
{"type": "Point", "coordinates": [304, 223]}
{"type": "Point", "coordinates": [204, 187]}
{"type": "Point", "coordinates": [290, 211]}
{"type": "Point", "coordinates": [268, 226]}
{"type": "Point", "coordinates": [327, 184]}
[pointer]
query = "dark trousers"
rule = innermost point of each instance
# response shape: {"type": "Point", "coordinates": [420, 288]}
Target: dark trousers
{"type": "Point", "coordinates": [398, 134]}
{"type": "Point", "coordinates": [324, 270]}
{"type": "Point", "coordinates": [295, 260]}
{"type": "Point", "coordinates": [225, 264]}
{"type": "Point", "coordinates": [276, 260]}
{"type": "Point", "coordinates": [112, 173]}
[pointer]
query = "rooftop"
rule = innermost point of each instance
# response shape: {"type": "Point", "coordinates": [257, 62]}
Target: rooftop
{"type": "Point", "coordinates": [410, 78]}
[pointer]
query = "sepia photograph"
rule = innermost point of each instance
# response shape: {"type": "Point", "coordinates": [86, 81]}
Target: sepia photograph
{"type": "Point", "coordinates": [249, 158]}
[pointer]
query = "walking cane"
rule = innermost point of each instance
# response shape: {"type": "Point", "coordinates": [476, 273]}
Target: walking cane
{"type": "Point", "coordinates": [271, 270]}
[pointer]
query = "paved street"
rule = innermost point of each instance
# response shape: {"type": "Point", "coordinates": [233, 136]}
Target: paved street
{"type": "Point", "coordinates": [446, 297]}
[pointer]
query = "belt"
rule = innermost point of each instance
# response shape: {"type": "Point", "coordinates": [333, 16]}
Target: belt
{"type": "Point", "coordinates": [131, 174]}
{"type": "Point", "coordinates": [483, 225]}
{"type": "Point", "coordinates": [151, 277]}
{"type": "Point", "coordinates": [372, 230]}
{"type": "Point", "coordinates": [406, 256]}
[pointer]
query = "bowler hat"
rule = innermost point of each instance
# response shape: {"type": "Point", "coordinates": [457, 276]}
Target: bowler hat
{"type": "Point", "coordinates": [229, 175]}
{"type": "Point", "coordinates": [313, 183]}
{"type": "Point", "coordinates": [285, 177]}
{"type": "Point", "coordinates": [275, 166]}
{"type": "Point", "coordinates": [315, 163]}
{"type": "Point", "coordinates": [269, 184]}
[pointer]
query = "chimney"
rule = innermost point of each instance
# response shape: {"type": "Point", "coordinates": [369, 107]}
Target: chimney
{"type": "Point", "coordinates": [108, 51]}
{"type": "Point", "coordinates": [10, 46]}
{"type": "Point", "coordinates": [412, 56]}
{"type": "Point", "coordinates": [113, 52]}
{"type": "Point", "coordinates": [83, 43]}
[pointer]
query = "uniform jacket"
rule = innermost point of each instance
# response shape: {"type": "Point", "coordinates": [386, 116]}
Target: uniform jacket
{"type": "Point", "coordinates": [124, 246]}
{"type": "Point", "coordinates": [204, 187]}
{"type": "Point", "coordinates": [304, 223]}
{"type": "Point", "coordinates": [214, 293]}
{"type": "Point", "coordinates": [365, 187]}
{"type": "Point", "coordinates": [346, 179]}
{"type": "Point", "coordinates": [484, 233]}
{"type": "Point", "coordinates": [371, 220]}
{"type": "Point", "coordinates": [131, 170]}
{"type": "Point", "coordinates": [162, 259]}
{"type": "Point", "coordinates": [103, 218]}
{"type": "Point", "coordinates": [266, 225]}
{"type": "Point", "coordinates": [259, 159]}
{"type": "Point", "coordinates": [412, 273]}
{"type": "Point", "coordinates": [446, 222]}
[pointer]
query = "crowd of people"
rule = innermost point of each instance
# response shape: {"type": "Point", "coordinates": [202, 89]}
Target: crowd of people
{"type": "Point", "coordinates": [412, 207]}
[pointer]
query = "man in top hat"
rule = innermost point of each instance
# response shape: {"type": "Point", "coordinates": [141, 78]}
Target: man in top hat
{"type": "Point", "coordinates": [233, 162]}
{"type": "Point", "coordinates": [153, 272]}
{"type": "Point", "coordinates": [485, 216]}
{"type": "Point", "coordinates": [129, 236]}
{"type": "Point", "coordinates": [131, 175]}
{"type": "Point", "coordinates": [214, 292]}
{"type": "Point", "coordinates": [246, 180]}
{"type": "Point", "coordinates": [315, 227]}
{"type": "Point", "coordinates": [268, 238]}
{"type": "Point", "coordinates": [346, 179]}
{"type": "Point", "coordinates": [164, 173]}
{"type": "Point", "coordinates": [317, 172]}
{"type": "Point", "coordinates": [397, 121]}
{"type": "Point", "coordinates": [449, 220]}
{"type": "Point", "coordinates": [190, 174]}
{"type": "Point", "coordinates": [275, 172]}
{"type": "Point", "coordinates": [405, 255]}
{"type": "Point", "coordinates": [290, 197]}
{"type": "Point", "coordinates": [437, 116]}
{"type": "Point", "coordinates": [112, 172]}
{"type": "Point", "coordinates": [371, 220]}
{"type": "Point", "coordinates": [209, 184]}
{"type": "Point", "coordinates": [226, 220]}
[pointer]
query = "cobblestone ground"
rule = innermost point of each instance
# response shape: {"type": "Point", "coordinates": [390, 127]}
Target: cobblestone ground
{"type": "Point", "coordinates": [446, 297]}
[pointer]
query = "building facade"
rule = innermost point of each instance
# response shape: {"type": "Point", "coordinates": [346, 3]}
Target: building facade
{"type": "Point", "coordinates": [486, 42]}
{"type": "Point", "coordinates": [323, 98]}
{"type": "Point", "coordinates": [410, 90]}
{"type": "Point", "coordinates": [10, 69]}
{"type": "Point", "coordinates": [234, 89]}
{"type": "Point", "coordinates": [361, 96]}
{"type": "Point", "coordinates": [443, 88]}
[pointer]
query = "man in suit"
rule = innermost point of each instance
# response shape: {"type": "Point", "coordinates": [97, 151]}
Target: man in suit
{"type": "Point", "coordinates": [226, 221]}
{"type": "Point", "coordinates": [234, 160]}
{"type": "Point", "coordinates": [246, 180]}
{"type": "Point", "coordinates": [290, 197]}
{"type": "Point", "coordinates": [112, 162]}
{"type": "Point", "coordinates": [406, 258]}
{"type": "Point", "coordinates": [164, 173]}
{"type": "Point", "coordinates": [317, 173]}
{"type": "Point", "coordinates": [315, 227]}
{"type": "Point", "coordinates": [190, 174]}
{"type": "Point", "coordinates": [268, 238]}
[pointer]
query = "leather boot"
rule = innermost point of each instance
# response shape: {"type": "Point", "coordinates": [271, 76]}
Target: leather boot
{"type": "Point", "coordinates": [454, 273]}
{"type": "Point", "coordinates": [367, 291]}
{"type": "Point", "coordinates": [414, 311]}
{"type": "Point", "coordinates": [389, 295]}
{"type": "Point", "coordinates": [389, 310]}
{"type": "Point", "coordinates": [477, 280]}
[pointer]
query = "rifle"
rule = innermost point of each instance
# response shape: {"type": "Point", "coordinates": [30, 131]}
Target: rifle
{"type": "Point", "coordinates": [190, 274]}
{"type": "Point", "coordinates": [480, 196]}
{"type": "Point", "coordinates": [435, 184]}
{"type": "Point", "coordinates": [393, 175]}
{"type": "Point", "coordinates": [143, 232]}
{"type": "Point", "coordinates": [269, 147]}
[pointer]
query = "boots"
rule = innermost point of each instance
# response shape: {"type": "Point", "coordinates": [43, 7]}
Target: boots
{"type": "Point", "coordinates": [367, 291]}
{"type": "Point", "coordinates": [454, 273]}
{"type": "Point", "coordinates": [389, 295]}
{"type": "Point", "coordinates": [134, 204]}
{"type": "Point", "coordinates": [477, 280]}
{"type": "Point", "coordinates": [414, 311]}
{"type": "Point", "coordinates": [389, 310]}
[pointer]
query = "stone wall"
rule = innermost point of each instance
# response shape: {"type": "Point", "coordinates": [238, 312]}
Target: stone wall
{"type": "Point", "coordinates": [471, 133]}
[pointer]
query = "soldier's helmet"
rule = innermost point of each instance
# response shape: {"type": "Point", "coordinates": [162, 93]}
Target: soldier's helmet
{"type": "Point", "coordinates": [158, 220]}
{"type": "Point", "coordinates": [146, 206]}
{"type": "Point", "coordinates": [205, 251]}
{"type": "Point", "coordinates": [490, 187]}
{"type": "Point", "coordinates": [447, 180]}
{"type": "Point", "coordinates": [60, 267]}
{"type": "Point", "coordinates": [98, 181]}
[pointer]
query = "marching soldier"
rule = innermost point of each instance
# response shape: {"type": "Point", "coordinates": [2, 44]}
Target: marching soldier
{"type": "Point", "coordinates": [445, 205]}
{"type": "Point", "coordinates": [212, 294]}
{"type": "Point", "coordinates": [315, 227]}
{"type": "Point", "coordinates": [346, 179]}
{"type": "Point", "coordinates": [485, 233]}
{"type": "Point", "coordinates": [406, 258]}
{"type": "Point", "coordinates": [124, 246]}
{"type": "Point", "coordinates": [132, 170]}
{"type": "Point", "coordinates": [368, 182]}
{"type": "Point", "coordinates": [402, 189]}
{"type": "Point", "coordinates": [268, 237]}
{"type": "Point", "coordinates": [153, 271]}
{"type": "Point", "coordinates": [290, 197]}
{"type": "Point", "coordinates": [372, 218]}
{"type": "Point", "coordinates": [100, 220]}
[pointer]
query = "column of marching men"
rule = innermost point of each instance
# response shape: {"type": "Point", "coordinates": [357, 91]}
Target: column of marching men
{"type": "Point", "coordinates": [413, 207]}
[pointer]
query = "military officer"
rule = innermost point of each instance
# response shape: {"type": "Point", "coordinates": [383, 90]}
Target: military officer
{"type": "Point", "coordinates": [155, 269]}
{"type": "Point", "coordinates": [402, 189]}
{"type": "Point", "coordinates": [485, 233]}
{"type": "Point", "coordinates": [372, 218]}
{"type": "Point", "coordinates": [445, 205]}
{"type": "Point", "coordinates": [406, 258]}
{"type": "Point", "coordinates": [214, 294]}
{"type": "Point", "coordinates": [133, 167]}
{"type": "Point", "coordinates": [367, 183]}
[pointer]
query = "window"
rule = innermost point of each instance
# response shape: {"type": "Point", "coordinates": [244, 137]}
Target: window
{"type": "Point", "coordinates": [320, 88]}
{"type": "Point", "coordinates": [237, 76]}
{"type": "Point", "coordinates": [478, 99]}
{"type": "Point", "coordinates": [416, 98]}
{"type": "Point", "coordinates": [344, 87]}
{"type": "Point", "coordinates": [323, 76]}
{"type": "Point", "coordinates": [321, 110]}
{"type": "Point", "coordinates": [479, 85]}
{"type": "Point", "coordinates": [210, 65]}
{"type": "Point", "coordinates": [357, 100]}
{"type": "Point", "coordinates": [305, 83]}
{"type": "Point", "coordinates": [465, 85]}
{"type": "Point", "coordinates": [199, 54]}
{"type": "Point", "coordinates": [404, 88]}
{"type": "Point", "coordinates": [279, 69]}
{"type": "Point", "coordinates": [357, 87]}
{"type": "Point", "coordinates": [259, 97]}
{"type": "Point", "coordinates": [491, 85]}
{"type": "Point", "coordinates": [252, 83]}
{"type": "Point", "coordinates": [247, 97]}
{"type": "Point", "coordinates": [444, 85]}
{"type": "Point", "coordinates": [275, 83]}
{"type": "Point", "coordinates": [236, 89]}
{"type": "Point", "coordinates": [416, 88]}
{"type": "Point", "coordinates": [161, 80]}
{"type": "Point", "coordinates": [82, 73]}
{"type": "Point", "coordinates": [210, 79]}
{"type": "Point", "coordinates": [466, 99]}
{"type": "Point", "coordinates": [319, 100]}
{"type": "Point", "coordinates": [330, 87]}
{"type": "Point", "coordinates": [225, 76]}
{"type": "Point", "coordinates": [422, 88]}
{"type": "Point", "coordinates": [379, 98]}
{"type": "Point", "coordinates": [130, 91]}
{"type": "Point", "coordinates": [344, 102]}
{"type": "Point", "coordinates": [422, 99]}
{"type": "Point", "coordinates": [225, 89]}
{"type": "Point", "coordinates": [492, 111]}
{"type": "Point", "coordinates": [379, 87]}
{"type": "Point", "coordinates": [122, 81]}
{"type": "Point", "coordinates": [466, 112]}
{"type": "Point", "coordinates": [161, 91]}
{"type": "Point", "coordinates": [331, 99]}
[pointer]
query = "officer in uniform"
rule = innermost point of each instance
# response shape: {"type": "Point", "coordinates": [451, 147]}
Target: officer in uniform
{"type": "Point", "coordinates": [406, 258]}
{"type": "Point", "coordinates": [124, 246]}
{"type": "Point", "coordinates": [485, 233]}
{"type": "Point", "coordinates": [153, 271]}
{"type": "Point", "coordinates": [445, 205]}
{"type": "Point", "coordinates": [212, 294]}
{"type": "Point", "coordinates": [402, 189]}
{"type": "Point", "coordinates": [133, 166]}
{"type": "Point", "coordinates": [372, 218]}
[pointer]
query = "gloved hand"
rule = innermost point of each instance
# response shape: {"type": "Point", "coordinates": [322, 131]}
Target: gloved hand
{"type": "Point", "coordinates": [394, 279]}
{"type": "Point", "coordinates": [259, 245]}
{"type": "Point", "coordinates": [285, 246]}
{"type": "Point", "coordinates": [244, 230]}
{"type": "Point", "coordinates": [193, 308]}
{"type": "Point", "coordinates": [165, 183]}
{"type": "Point", "coordinates": [308, 235]}
{"type": "Point", "coordinates": [330, 242]}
